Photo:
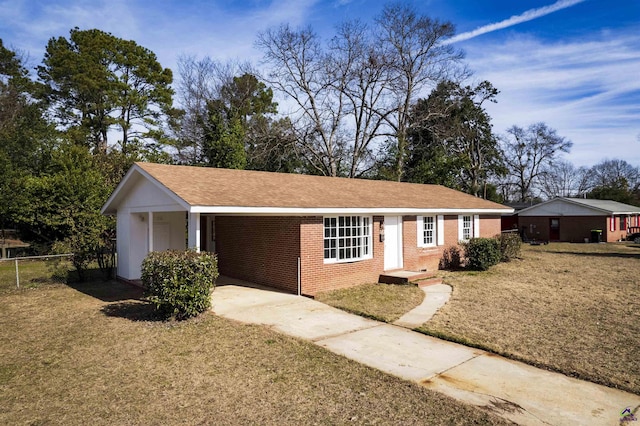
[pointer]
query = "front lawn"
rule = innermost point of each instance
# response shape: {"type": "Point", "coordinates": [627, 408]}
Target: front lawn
{"type": "Point", "coordinates": [92, 354]}
{"type": "Point", "coordinates": [382, 302]}
{"type": "Point", "coordinates": [572, 308]}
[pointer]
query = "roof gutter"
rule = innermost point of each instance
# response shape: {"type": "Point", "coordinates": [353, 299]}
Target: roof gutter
{"type": "Point", "coordinates": [301, 211]}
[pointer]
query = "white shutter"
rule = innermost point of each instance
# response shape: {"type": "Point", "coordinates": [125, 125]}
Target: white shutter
{"type": "Point", "coordinates": [476, 226]}
{"type": "Point", "coordinates": [460, 227]}
{"type": "Point", "coordinates": [420, 231]}
{"type": "Point", "coordinates": [612, 223]}
{"type": "Point", "coordinates": [440, 230]}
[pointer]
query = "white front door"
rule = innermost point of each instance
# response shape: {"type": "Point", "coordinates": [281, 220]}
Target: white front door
{"type": "Point", "coordinates": [392, 242]}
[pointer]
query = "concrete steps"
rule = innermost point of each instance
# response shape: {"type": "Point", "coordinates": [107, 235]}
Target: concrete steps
{"type": "Point", "coordinates": [404, 277]}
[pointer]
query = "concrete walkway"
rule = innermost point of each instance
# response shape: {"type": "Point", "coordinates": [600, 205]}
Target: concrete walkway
{"type": "Point", "coordinates": [435, 296]}
{"type": "Point", "coordinates": [516, 391]}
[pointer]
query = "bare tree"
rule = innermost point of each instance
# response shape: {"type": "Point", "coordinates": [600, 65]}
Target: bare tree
{"type": "Point", "coordinates": [299, 70]}
{"type": "Point", "coordinates": [563, 179]}
{"type": "Point", "coordinates": [336, 89]}
{"type": "Point", "coordinates": [357, 89]}
{"type": "Point", "coordinates": [362, 76]}
{"type": "Point", "coordinates": [527, 153]}
{"type": "Point", "coordinates": [416, 49]}
{"type": "Point", "coordinates": [272, 147]}
{"type": "Point", "coordinates": [615, 180]}
{"type": "Point", "coordinates": [612, 172]}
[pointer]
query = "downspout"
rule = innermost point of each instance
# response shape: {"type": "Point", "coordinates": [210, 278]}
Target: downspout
{"type": "Point", "coordinates": [150, 231]}
{"type": "Point", "coordinates": [299, 278]}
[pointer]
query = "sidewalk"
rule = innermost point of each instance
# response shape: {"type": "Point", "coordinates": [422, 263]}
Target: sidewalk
{"type": "Point", "coordinates": [436, 295]}
{"type": "Point", "coordinates": [516, 391]}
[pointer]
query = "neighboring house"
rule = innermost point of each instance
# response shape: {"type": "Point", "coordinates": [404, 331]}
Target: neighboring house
{"type": "Point", "coordinates": [510, 221]}
{"type": "Point", "coordinates": [299, 233]}
{"type": "Point", "coordinates": [574, 219]}
{"type": "Point", "coordinates": [10, 244]}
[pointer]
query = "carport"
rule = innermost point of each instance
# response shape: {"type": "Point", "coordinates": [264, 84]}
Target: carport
{"type": "Point", "coordinates": [151, 217]}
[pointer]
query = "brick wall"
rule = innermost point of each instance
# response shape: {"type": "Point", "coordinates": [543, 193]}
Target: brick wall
{"type": "Point", "coordinates": [428, 258]}
{"type": "Point", "coordinates": [421, 258]}
{"type": "Point", "coordinates": [617, 235]}
{"type": "Point", "coordinates": [576, 228]}
{"type": "Point", "coordinates": [490, 226]}
{"type": "Point", "coordinates": [318, 276]}
{"type": "Point", "coordinates": [265, 250]}
{"type": "Point", "coordinates": [262, 250]}
{"type": "Point", "coordinates": [573, 229]}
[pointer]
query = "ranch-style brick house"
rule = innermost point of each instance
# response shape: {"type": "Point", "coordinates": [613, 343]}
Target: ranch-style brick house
{"type": "Point", "coordinates": [298, 233]}
{"type": "Point", "coordinates": [574, 219]}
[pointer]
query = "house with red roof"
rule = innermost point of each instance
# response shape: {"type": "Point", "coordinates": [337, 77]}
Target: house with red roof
{"type": "Point", "coordinates": [298, 233]}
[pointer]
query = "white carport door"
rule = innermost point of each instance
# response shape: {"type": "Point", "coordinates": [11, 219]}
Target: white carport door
{"type": "Point", "coordinates": [161, 236]}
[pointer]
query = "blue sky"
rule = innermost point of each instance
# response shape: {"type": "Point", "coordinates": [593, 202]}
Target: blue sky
{"type": "Point", "coordinates": [574, 64]}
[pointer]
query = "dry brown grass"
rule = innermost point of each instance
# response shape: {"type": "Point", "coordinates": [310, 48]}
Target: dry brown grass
{"type": "Point", "coordinates": [93, 355]}
{"type": "Point", "coordinates": [382, 302]}
{"type": "Point", "coordinates": [573, 308]}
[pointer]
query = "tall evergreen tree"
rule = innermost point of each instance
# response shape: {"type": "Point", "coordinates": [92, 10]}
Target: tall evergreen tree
{"type": "Point", "coordinates": [226, 119]}
{"type": "Point", "coordinates": [96, 82]}
{"type": "Point", "coordinates": [224, 139]}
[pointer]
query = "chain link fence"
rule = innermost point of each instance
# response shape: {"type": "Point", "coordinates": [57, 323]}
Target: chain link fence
{"type": "Point", "coordinates": [30, 271]}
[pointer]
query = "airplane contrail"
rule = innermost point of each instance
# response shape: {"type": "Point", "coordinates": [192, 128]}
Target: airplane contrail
{"type": "Point", "coordinates": [514, 20]}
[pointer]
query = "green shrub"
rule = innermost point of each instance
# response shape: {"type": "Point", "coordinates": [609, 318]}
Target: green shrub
{"type": "Point", "coordinates": [510, 246]}
{"type": "Point", "coordinates": [482, 253]}
{"type": "Point", "coordinates": [60, 269]}
{"type": "Point", "coordinates": [180, 283]}
{"type": "Point", "coordinates": [82, 254]}
{"type": "Point", "coordinates": [451, 258]}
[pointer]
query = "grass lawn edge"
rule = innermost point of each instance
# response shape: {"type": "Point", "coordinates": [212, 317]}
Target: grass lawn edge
{"type": "Point", "coordinates": [487, 348]}
{"type": "Point", "coordinates": [363, 314]}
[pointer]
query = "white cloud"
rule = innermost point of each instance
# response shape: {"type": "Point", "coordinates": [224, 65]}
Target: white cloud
{"type": "Point", "coordinates": [201, 29]}
{"type": "Point", "coordinates": [220, 34]}
{"type": "Point", "coordinates": [529, 15]}
{"type": "Point", "coordinates": [30, 24]}
{"type": "Point", "coordinates": [586, 89]}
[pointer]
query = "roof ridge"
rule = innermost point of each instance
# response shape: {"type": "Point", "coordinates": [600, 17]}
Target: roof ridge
{"type": "Point", "coordinates": [142, 163]}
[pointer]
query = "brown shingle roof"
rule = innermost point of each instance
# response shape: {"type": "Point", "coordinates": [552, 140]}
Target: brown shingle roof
{"type": "Point", "coordinates": [201, 186]}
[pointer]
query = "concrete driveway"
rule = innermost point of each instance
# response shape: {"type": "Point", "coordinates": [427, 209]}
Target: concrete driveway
{"type": "Point", "coordinates": [516, 391]}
